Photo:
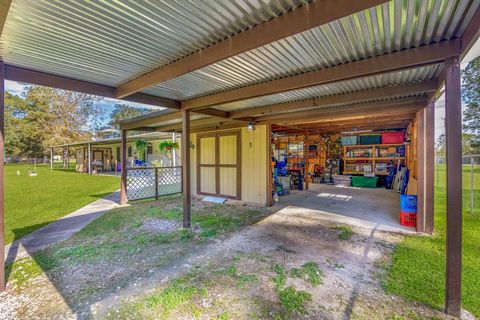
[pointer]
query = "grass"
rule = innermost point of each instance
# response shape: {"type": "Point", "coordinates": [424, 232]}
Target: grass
{"type": "Point", "coordinates": [309, 272]}
{"type": "Point", "coordinates": [32, 202]}
{"type": "Point", "coordinates": [418, 268]}
{"type": "Point", "coordinates": [345, 232]}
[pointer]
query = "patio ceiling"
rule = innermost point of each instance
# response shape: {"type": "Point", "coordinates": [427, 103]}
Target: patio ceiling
{"type": "Point", "coordinates": [237, 60]}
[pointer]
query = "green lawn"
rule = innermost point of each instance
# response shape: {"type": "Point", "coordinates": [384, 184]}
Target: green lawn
{"type": "Point", "coordinates": [418, 269]}
{"type": "Point", "coordinates": [32, 202]}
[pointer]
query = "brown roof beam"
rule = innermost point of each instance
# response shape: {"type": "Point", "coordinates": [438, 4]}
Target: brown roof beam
{"type": "Point", "coordinates": [4, 7]}
{"type": "Point", "coordinates": [351, 97]}
{"type": "Point", "coordinates": [471, 34]}
{"type": "Point", "coordinates": [49, 80]}
{"type": "Point", "coordinates": [309, 16]}
{"type": "Point", "coordinates": [340, 111]}
{"type": "Point", "coordinates": [425, 55]}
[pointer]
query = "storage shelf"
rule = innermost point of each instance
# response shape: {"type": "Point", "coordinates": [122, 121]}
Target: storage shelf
{"type": "Point", "coordinates": [362, 173]}
{"type": "Point", "coordinates": [373, 145]}
{"type": "Point", "coordinates": [371, 159]}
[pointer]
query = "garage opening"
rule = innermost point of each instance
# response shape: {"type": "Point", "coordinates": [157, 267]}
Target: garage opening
{"type": "Point", "coordinates": [361, 170]}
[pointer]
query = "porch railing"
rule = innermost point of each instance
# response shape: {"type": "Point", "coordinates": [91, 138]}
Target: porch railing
{"type": "Point", "coordinates": [152, 182]}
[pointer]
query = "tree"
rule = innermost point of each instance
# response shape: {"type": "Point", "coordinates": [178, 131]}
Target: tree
{"type": "Point", "coordinates": [471, 96]}
{"type": "Point", "coordinates": [125, 111]}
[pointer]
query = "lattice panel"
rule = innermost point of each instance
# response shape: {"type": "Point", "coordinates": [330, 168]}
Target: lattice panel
{"type": "Point", "coordinates": [169, 180]}
{"type": "Point", "coordinates": [140, 183]}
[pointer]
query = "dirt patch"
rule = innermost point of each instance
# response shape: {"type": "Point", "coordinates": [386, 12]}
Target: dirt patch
{"type": "Point", "coordinates": [160, 225]}
{"type": "Point", "coordinates": [135, 265]}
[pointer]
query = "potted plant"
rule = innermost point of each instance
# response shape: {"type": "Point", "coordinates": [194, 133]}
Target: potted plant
{"type": "Point", "coordinates": [141, 146]}
{"type": "Point", "coordinates": [168, 146]}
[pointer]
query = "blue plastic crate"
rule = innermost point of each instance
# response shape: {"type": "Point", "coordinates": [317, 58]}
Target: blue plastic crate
{"type": "Point", "coordinates": [408, 203]}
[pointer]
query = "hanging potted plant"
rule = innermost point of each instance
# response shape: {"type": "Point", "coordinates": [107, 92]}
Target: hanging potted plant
{"type": "Point", "coordinates": [140, 147]}
{"type": "Point", "coordinates": [167, 146]}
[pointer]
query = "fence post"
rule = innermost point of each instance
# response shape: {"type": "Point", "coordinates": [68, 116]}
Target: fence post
{"type": "Point", "coordinates": [156, 183]}
{"type": "Point", "coordinates": [471, 184]}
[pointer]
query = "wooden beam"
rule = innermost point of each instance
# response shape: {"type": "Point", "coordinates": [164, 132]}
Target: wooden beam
{"type": "Point", "coordinates": [433, 53]}
{"type": "Point", "coordinates": [49, 80]}
{"type": "Point", "coordinates": [358, 114]}
{"type": "Point", "coordinates": [269, 200]}
{"type": "Point", "coordinates": [341, 110]}
{"type": "Point", "coordinates": [420, 116]}
{"type": "Point", "coordinates": [4, 8]}
{"type": "Point", "coordinates": [2, 177]}
{"type": "Point", "coordinates": [186, 176]}
{"type": "Point", "coordinates": [430, 165]}
{"type": "Point", "coordinates": [123, 180]}
{"type": "Point", "coordinates": [309, 16]}
{"type": "Point", "coordinates": [146, 121]}
{"type": "Point", "coordinates": [358, 120]}
{"type": "Point", "coordinates": [453, 126]}
{"type": "Point", "coordinates": [471, 34]}
{"type": "Point", "coordinates": [351, 97]}
{"type": "Point", "coordinates": [205, 122]}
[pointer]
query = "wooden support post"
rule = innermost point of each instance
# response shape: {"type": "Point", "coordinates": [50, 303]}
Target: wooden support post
{"type": "Point", "coordinates": [186, 168]}
{"type": "Point", "coordinates": [453, 123]}
{"type": "Point", "coordinates": [429, 167]}
{"type": "Point", "coordinates": [174, 151]}
{"type": "Point", "coordinates": [89, 158]}
{"type": "Point", "coordinates": [2, 180]}
{"type": "Point", "coordinates": [123, 165]}
{"type": "Point", "coordinates": [305, 158]}
{"type": "Point", "coordinates": [269, 166]}
{"type": "Point", "coordinates": [421, 170]}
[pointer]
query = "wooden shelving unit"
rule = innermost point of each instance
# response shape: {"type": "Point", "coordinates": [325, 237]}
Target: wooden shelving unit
{"type": "Point", "coordinates": [371, 160]}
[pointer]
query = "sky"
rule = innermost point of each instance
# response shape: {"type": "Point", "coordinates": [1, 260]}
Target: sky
{"type": "Point", "coordinates": [108, 103]}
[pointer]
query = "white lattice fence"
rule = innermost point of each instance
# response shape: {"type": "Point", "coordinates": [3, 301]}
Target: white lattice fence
{"type": "Point", "coordinates": [151, 182]}
{"type": "Point", "coordinates": [169, 180]}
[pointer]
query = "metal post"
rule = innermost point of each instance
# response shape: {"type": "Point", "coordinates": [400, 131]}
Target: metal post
{"type": "Point", "coordinates": [89, 159]}
{"type": "Point", "coordinates": [2, 180]}
{"type": "Point", "coordinates": [156, 183]}
{"type": "Point", "coordinates": [186, 168]}
{"type": "Point", "coordinates": [471, 184]}
{"type": "Point", "coordinates": [123, 164]}
{"type": "Point", "coordinates": [453, 120]}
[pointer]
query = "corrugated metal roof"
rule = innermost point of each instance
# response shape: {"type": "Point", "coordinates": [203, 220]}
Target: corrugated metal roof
{"type": "Point", "coordinates": [393, 78]}
{"type": "Point", "coordinates": [109, 42]}
{"type": "Point", "coordinates": [393, 26]}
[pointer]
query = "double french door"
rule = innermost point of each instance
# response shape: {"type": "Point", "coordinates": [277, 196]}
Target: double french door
{"type": "Point", "coordinates": [218, 164]}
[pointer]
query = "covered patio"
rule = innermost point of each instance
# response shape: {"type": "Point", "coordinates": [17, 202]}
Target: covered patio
{"type": "Point", "coordinates": [221, 69]}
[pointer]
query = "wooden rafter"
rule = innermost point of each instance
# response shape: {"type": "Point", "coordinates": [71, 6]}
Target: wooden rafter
{"type": "Point", "coordinates": [471, 34]}
{"type": "Point", "coordinates": [49, 80]}
{"type": "Point", "coordinates": [389, 104]}
{"type": "Point", "coordinates": [433, 53]}
{"type": "Point", "coordinates": [4, 7]}
{"type": "Point", "coordinates": [352, 97]}
{"type": "Point", "coordinates": [309, 16]}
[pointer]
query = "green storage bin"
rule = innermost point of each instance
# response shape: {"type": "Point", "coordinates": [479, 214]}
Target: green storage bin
{"type": "Point", "coordinates": [364, 182]}
{"type": "Point", "coordinates": [370, 139]}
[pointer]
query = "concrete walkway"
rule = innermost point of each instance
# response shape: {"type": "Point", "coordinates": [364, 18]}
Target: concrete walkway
{"type": "Point", "coordinates": [60, 229]}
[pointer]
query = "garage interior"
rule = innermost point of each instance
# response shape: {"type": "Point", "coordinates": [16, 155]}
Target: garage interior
{"type": "Point", "coordinates": [354, 167]}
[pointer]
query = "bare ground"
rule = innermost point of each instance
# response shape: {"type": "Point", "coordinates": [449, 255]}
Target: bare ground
{"type": "Point", "coordinates": [229, 276]}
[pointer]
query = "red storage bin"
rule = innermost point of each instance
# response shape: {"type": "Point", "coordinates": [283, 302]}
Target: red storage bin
{"type": "Point", "coordinates": [408, 219]}
{"type": "Point", "coordinates": [393, 137]}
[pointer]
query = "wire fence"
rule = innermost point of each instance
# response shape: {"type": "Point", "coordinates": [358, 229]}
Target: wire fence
{"type": "Point", "coordinates": [470, 181]}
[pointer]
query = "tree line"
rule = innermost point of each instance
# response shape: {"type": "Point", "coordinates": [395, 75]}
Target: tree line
{"type": "Point", "coordinates": [41, 117]}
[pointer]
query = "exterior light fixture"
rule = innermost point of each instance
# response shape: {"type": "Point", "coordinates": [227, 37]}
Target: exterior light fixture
{"type": "Point", "coordinates": [251, 126]}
